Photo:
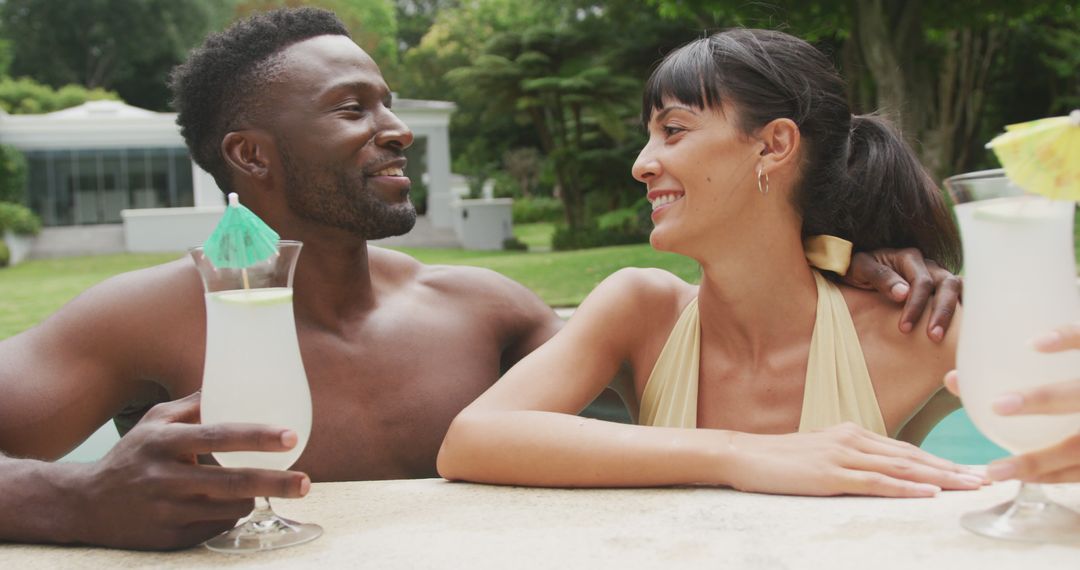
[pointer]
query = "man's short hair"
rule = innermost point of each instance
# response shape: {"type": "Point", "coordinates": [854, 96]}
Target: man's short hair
{"type": "Point", "coordinates": [219, 87]}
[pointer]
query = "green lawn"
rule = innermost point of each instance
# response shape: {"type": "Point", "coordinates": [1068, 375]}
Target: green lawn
{"type": "Point", "coordinates": [536, 236]}
{"type": "Point", "coordinates": [564, 278]}
{"type": "Point", "coordinates": [31, 291]}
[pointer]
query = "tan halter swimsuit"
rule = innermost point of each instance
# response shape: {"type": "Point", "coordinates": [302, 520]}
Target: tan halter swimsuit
{"type": "Point", "coordinates": [838, 387]}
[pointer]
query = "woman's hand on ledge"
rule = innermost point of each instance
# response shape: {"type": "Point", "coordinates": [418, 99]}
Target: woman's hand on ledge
{"type": "Point", "coordinates": [842, 460]}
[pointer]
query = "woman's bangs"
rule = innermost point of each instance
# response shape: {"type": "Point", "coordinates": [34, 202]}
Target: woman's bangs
{"type": "Point", "coordinates": [686, 76]}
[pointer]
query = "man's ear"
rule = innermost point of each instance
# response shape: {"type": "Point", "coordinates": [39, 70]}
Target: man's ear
{"type": "Point", "coordinates": [248, 152]}
{"type": "Point", "coordinates": [781, 139]}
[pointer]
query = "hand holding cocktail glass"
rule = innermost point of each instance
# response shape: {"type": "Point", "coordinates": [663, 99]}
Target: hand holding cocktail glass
{"type": "Point", "coordinates": [1020, 281]}
{"type": "Point", "coordinates": [1060, 462]}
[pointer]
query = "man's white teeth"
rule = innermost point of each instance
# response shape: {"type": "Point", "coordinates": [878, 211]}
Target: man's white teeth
{"type": "Point", "coordinates": [392, 171]}
{"type": "Point", "coordinates": [664, 199]}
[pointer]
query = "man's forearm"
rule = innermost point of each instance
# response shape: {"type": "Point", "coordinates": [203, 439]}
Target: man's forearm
{"type": "Point", "coordinates": [38, 501]}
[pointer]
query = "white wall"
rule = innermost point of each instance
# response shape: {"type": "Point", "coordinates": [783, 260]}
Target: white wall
{"type": "Point", "coordinates": [169, 229]}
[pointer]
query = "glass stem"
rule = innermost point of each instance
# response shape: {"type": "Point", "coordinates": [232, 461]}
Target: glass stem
{"type": "Point", "coordinates": [263, 515]}
{"type": "Point", "coordinates": [1031, 496]}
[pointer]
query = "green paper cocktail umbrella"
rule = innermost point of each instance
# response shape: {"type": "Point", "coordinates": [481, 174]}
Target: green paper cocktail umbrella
{"type": "Point", "coordinates": [1043, 156]}
{"type": "Point", "coordinates": [240, 239]}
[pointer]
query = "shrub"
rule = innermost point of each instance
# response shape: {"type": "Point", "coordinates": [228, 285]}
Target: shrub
{"type": "Point", "coordinates": [532, 210]}
{"type": "Point", "coordinates": [418, 193]}
{"type": "Point", "coordinates": [514, 244]}
{"type": "Point", "coordinates": [505, 186]}
{"type": "Point", "coordinates": [594, 236]}
{"type": "Point", "coordinates": [12, 174]}
{"type": "Point", "coordinates": [621, 219]}
{"type": "Point", "coordinates": [5, 254]}
{"type": "Point", "coordinates": [617, 227]}
{"type": "Point", "coordinates": [24, 95]}
{"type": "Point", "coordinates": [18, 219]}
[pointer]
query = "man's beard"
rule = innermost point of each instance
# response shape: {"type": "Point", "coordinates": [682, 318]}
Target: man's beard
{"type": "Point", "coordinates": [332, 198]}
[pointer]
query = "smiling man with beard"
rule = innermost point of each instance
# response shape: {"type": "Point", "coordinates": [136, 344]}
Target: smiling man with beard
{"type": "Point", "coordinates": [286, 110]}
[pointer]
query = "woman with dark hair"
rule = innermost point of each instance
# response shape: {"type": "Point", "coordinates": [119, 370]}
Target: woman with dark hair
{"type": "Point", "coordinates": [767, 376]}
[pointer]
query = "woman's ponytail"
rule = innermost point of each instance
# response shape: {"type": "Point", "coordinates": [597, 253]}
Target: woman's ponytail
{"type": "Point", "coordinates": [895, 202]}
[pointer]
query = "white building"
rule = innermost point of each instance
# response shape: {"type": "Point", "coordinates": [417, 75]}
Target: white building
{"type": "Point", "coordinates": [105, 169]}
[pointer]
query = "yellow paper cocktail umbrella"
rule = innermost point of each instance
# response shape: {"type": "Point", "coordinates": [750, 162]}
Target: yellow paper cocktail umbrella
{"type": "Point", "coordinates": [1043, 156]}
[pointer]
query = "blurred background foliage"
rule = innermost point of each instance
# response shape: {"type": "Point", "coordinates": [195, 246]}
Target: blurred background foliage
{"type": "Point", "coordinates": [548, 93]}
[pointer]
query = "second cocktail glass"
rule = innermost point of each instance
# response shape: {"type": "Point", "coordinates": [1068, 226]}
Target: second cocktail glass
{"type": "Point", "coordinates": [1019, 282]}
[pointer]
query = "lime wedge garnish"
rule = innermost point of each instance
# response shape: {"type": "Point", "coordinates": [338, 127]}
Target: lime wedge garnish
{"type": "Point", "coordinates": [1022, 210]}
{"type": "Point", "coordinates": [255, 296]}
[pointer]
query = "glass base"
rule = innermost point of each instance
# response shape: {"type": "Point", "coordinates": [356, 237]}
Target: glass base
{"type": "Point", "coordinates": [1030, 517]}
{"type": "Point", "coordinates": [266, 533]}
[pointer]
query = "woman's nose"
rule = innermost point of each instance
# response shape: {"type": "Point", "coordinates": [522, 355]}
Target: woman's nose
{"type": "Point", "coordinates": [646, 167]}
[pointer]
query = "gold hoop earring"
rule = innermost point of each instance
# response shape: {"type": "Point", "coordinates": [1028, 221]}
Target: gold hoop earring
{"type": "Point", "coordinates": [765, 190]}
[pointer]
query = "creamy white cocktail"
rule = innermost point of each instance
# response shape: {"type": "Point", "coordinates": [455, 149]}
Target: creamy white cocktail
{"type": "Point", "coordinates": [253, 370]}
{"type": "Point", "coordinates": [1019, 282]}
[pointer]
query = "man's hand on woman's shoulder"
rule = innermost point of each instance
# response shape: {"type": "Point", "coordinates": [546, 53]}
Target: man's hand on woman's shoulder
{"type": "Point", "coordinates": [904, 275]}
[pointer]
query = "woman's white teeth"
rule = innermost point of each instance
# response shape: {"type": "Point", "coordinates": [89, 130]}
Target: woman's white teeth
{"type": "Point", "coordinates": [392, 171]}
{"type": "Point", "coordinates": [664, 199]}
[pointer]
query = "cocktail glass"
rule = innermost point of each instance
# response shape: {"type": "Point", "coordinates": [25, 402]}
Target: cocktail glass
{"type": "Point", "coordinates": [1019, 282]}
{"type": "Point", "coordinates": [254, 374]}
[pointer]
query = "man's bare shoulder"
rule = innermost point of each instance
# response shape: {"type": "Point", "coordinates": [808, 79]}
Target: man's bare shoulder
{"type": "Point", "coordinates": [138, 308]}
{"type": "Point", "coordinates": [514, 314]}
{"type": "Point", "coordinates": [161, 286]}
{"type": "Point", "coordinates": [461, 282]}
{"type": "Point", "coordinates": [115, 339]}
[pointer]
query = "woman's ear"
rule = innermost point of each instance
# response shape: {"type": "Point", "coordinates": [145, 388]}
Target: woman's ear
{"type": "Point", "coordinates": [248, 153]}
{"type": "Point", "coordinates": [781, 140]}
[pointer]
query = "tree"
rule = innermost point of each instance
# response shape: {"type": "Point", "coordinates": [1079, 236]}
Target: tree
{"type": "Point", "coordinates": [930, 70]}
{"type": "Point", "coordinates": [548, 74]}
{"type": "Point", "coordinates": [12, 175]}
{"type": "Point", "coordinates": [371, 23]}
{"type": "Point", "coordinates": [497, 115]}
{"type": "Point", "coordinates": [523, 165]}
{"type": "Point", "coordinates": [416, 17]}
{"type": "Point", "coordinates": [457, 36]}
{"type": "Point", "coordinates": [127, 45]}
{"type": "Point", "coordinates": [1062, 58]}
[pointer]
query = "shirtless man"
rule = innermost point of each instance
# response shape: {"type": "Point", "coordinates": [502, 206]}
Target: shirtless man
{"type": "Point", "coordinates": [287, 111]}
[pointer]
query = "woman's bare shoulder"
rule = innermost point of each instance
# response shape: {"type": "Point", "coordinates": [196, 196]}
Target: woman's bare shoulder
{"type": "Point", "coordinates": [907, 369]}
{"type": "Point", "coordinates": [631, 303]}
{"type": "Point", "coordinates": [647, 291]}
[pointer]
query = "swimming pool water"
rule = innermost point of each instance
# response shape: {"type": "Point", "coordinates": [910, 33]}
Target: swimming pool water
{"type": "Point", "coordinates": [957, 439]}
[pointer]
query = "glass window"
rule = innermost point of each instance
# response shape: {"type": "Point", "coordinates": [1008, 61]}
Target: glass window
{"type": "Point", "coordinates": [88, 204]}
{"type": "Point", "coordinates": [92, 186]}
{"type": "Point", "coordinates": [38, 195]}
{"type": "Point", "coordinates": [142, 193]}
{"type": "Point", "coordinates": [113, 184]}
{"type": "Point", "coordinates": [157, 171]}
{"type": "Point", "coordinates": [63, 186]}
{"type": "Point", "coordinates": [185, 186]}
